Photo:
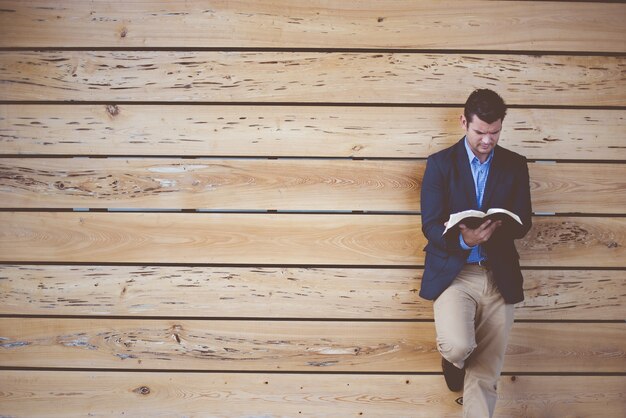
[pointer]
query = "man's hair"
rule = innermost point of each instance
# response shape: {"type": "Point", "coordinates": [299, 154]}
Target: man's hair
{"type": "Point", "coordinates": [486, 104]}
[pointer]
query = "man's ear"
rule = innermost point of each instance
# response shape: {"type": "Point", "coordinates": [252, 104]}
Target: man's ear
{"type": "Point", "coordinates": [463, 122]}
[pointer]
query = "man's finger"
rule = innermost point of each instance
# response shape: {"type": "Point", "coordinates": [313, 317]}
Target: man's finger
{"type": "Point", "coordinates": [484, 225]}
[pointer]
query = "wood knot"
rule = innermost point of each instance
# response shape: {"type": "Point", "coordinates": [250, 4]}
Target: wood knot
{"type": "Point", "coordinates": [612, 244]}
{"type": "Point", "coordinates": [380, 19]}
{"type": "Point", "coordinates": [513, 378]}
{"type": "Point", "coordinates": [113, 110]}
{"type": "Point", "coordinates": [123, 33]}
{"type": "Point", "coordinates": [176, 329]}
{"type": "Point", "coordinates": [142, 390]}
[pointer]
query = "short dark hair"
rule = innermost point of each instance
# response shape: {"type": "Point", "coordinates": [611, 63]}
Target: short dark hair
{"type": "Point", "coordinates": [486, 104]}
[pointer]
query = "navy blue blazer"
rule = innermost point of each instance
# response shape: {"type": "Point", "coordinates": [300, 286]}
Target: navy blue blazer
{"type": "Point", "coordinates": [448, 187]}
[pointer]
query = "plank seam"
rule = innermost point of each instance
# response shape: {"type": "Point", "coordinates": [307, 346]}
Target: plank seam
{"type": "Point", "coordinates": [530, 52]}
{"type": "Point", "coordinates": [311, 266]}
{"type": "Point", "coordinates": [287, 372]}
{"type": "Point", "coordinates": [200, 212]}
{"type": "Point", "coordinates": [303, 104]}
{"type": "Point", "coordinates": [287, 319]}
{"type": "Point", "coordinates": [279, 157]}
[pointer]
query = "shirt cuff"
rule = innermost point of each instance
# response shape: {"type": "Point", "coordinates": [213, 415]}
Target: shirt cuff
{"type": "Point", "coordinates": [463, 244]}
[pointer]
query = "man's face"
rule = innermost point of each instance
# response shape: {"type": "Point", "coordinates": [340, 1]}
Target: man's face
{"type": "Point", "coordinates": [482, 137]}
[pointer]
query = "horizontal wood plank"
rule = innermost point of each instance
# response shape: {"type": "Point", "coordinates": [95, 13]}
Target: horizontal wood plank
{"type": "Point", "coordinates": [253, 239]}
{"type": "Point", "coordinates": [400, 24]}
{"type": "Point", "coordinates": [237, 184]}
{"type": "Point", "coordinates": [292, 345]}
{"type": "Point", "coordinates": [578, 188]}
{"type": "Point", "coordinates": [285, 131]}
{"type": "Point", "coordinates": [105, 394]}
{"type": "Point", "coordinates": [562, 241]}
{"type": "Point", "coordinates": [210, 184]}
{"type": "Point", "coordinates": [210, 238]}
{"type": "Point", "coordinates": [240, 292]}
{"type": "Point", "coordinates": [561, 396]}
{"type": "Point", "coordinates": [573, 295]}
{"type": "Point", "coordinates": [309, 77]}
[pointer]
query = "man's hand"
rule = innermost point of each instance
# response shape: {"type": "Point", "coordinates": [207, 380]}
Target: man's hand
{"type": "Point", "coordinates": [479, 235]}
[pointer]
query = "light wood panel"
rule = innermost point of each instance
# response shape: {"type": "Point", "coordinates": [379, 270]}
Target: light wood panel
{"type": "Point", "coordinates": [240, 292]}
{"type": "Point", "coordinates": [562, 241]}
{"type": "Point", "coordinates": [561, 396]}
{"type": "Point", "coordinates": [104, 394]}
{"type": "Point", "coordinates": [277, 184]}
{"type": "Point", "coordinates": [210, 238]}
{"type": "Point", "coordinates": [577, 188]}
{"type": "Point", "coordinates": [313, 131]}
{"type": "Point", "coordinates": [292, 345]}
{"type": "Point", "coordinates": [503, 25]}
{"type": "Point", "coordinates": [156, 304]}
{"type": "Point", "coordinates": [573, 295]}
{"type": "Point", "coordinates": [281, 239]}
{"type": "Point", "coordinates": [211, 184]}
{"type": "Point", "coordinates": [309, 77]}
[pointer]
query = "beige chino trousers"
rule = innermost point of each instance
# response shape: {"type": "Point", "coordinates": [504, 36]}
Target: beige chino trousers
{"type": "Point", "coordinates": [473, 324]}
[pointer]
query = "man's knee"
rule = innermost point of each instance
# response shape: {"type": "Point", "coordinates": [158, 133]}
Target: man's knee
{"type": "Point", "coordinates": [457, 351]}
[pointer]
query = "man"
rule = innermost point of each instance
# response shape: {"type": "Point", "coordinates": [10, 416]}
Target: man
{"type": "Point", "coordinates": [474, 275]}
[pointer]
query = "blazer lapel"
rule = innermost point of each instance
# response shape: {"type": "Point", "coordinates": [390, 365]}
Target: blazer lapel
{"type": "Point", "coordinates": [495, 171]}
{"type": "Point", "coordinates": [465, 174]}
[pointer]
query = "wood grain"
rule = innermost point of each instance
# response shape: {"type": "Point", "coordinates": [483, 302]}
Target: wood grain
{"type": "Point", "coordinates": [284, 131]}
{"type": "Point", "coordinates": [292, 345]}
{"type": "Point", "coordinates": [561, 396]}
{"type": "Point", "coordinates": [573, 295]}
{"type": "Point", "coordinates": [561, 241]}
{"type": "Point", "coordinates": [577, 188]}
{"type": "Point", "coordinates": [262, 292]}
{"type": "Point", "coordinates": [211, 184]}
{"type": "Point", "coordinates": [212, 292]}
{"type": "Point", "coordinates": [105, 394]}
{"type": "Point", "coordinates": [399, 24]}
{"type": "Point", "coordinates": [253, 239]}
{"type": "Point", "coordinates": [309, 77]}
{"type": "Point", "coordinates": [210, 238]}
{"type": "Point", "coordinates": [203, 297]}
{"type": "Point", "coordinates": [306, 185]}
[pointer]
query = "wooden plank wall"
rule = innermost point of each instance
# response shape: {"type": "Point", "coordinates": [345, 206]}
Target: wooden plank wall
{"type": "Point", "coordinates": [212, 208]}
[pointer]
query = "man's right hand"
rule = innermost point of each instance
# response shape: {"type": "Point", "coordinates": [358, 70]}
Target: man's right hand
{"type": "Point", "coordinates": [480, 235]}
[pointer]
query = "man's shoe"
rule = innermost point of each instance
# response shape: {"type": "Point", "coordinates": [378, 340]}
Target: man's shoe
{"type": "Point", "coordinates": [454, 376]}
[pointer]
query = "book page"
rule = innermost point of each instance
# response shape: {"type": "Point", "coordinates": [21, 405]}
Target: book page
{"type": "Point", "coordinates": [506, 212]}
{"type": "Point", "coordinates": [472, 214]}
{"type": "Point", "coordinates": [455, 218]}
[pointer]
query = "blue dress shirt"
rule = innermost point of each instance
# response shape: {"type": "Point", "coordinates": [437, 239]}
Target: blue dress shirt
{"type": "Point", "coordinates": [480, 172]}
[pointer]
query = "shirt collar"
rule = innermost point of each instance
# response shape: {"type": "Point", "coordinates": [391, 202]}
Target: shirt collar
{"type": "Point", "coordinates": [471, 156]}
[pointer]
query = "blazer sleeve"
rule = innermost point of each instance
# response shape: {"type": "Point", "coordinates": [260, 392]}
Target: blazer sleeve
{"type": "Point", "coordinates": [521, 202]}
{"type": "Point", "coordinates": [435, 209]}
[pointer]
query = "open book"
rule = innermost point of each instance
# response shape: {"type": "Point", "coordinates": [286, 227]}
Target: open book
{"type": "Point", "coordinates": [474, 218]}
